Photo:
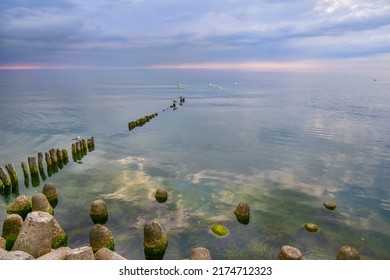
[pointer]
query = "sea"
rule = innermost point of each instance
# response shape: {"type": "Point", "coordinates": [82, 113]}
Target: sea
{"type": "Point", "coordinates": [284, 142]}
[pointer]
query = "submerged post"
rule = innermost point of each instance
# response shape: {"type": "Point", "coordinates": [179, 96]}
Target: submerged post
{"type": "Point", "coordinates": [13, 176]}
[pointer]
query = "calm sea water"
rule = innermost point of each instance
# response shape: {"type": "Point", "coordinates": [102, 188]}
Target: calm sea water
{"type": "Point", "coordinates": [284, 142]}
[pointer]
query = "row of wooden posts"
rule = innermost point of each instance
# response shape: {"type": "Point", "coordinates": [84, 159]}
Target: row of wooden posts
{"type": "Point", "coordinates": [143, 120]}
{"type": "Point", "coordinates": [56, 159]}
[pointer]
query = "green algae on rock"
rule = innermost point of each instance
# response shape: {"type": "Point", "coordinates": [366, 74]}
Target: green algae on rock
{"type": "Point", "coordinates": [155, 241]}
{"type": "Point", "coordinates": [22, 206]}
{"type": "Point", "coordinates": [219, 230]}
{"type": "Point", "coordinates": [311, 227]}
{"type": "Point", "coordinates": [330, 205]}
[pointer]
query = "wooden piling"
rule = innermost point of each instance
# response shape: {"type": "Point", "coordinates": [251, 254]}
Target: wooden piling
{"type": "Point", "coordinates": [53, 155]}
{"type": "Point", "coordinates": [25, 173]}
{"type": "Point", "coordinates": [32, 163]}
{"type": "Point", "coordinates": [13, 176]}
{"type": "Point", "coordinates": [6, 179]}
{"type": "Point", "coordinates": [48, 159]}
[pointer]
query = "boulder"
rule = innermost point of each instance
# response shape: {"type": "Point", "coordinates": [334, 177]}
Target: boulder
{"type": "Point", "coordinates": [107, 254]}
{"type": "Point", "coordinates": [330, 205]}
{"type": "Point", "coordinates": [83, 253]}
{"type": "Point", "coordinates": [50, 191]}
{"type": "Point", "coordinates": [289, 253]}
{"type": "Point", "coordinates": [36, 234]}
{"type": "Point", "coordinates": [348, 253]}
{"type": "Point", "coordinates": [99, 212]}
{"type": "Point", "coordinates": [40, 203]}
{"type": "Point", "coordinates": [101, 237]}
{"type": "Point", "coordinates": [155, 240]}
{"type": "Point", "coordinates": [161, 195]}
{"type": "Point", "coordinates": [60, 238]}
{"type": "Point", "coordinates": [242, 212]}
{"type": "Point", "coordinates": [200, 253]}
{"type": "Point", "coordinates": [11, 228]}
{"type": "Point", "coordinates": [21, 205]}
{"type": "Point", "coordinates": [14, 255]}
{"type": "Point", "coordinates": [57, 254]}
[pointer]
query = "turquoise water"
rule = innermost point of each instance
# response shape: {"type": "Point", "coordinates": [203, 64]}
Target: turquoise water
{"type": "Point", "coordinates": [284, 142]}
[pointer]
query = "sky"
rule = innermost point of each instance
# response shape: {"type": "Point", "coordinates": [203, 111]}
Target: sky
{"type": "Point", "coordinates": [267, 34]}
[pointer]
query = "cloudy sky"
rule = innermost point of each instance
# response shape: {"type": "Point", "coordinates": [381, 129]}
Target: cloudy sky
{"type": "Point", "coordinates": [196, 33]}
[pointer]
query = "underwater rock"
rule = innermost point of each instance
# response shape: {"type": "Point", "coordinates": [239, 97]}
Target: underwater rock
{"type": "Point", "coordinates": [50, 191]}
{"type": "Point", "coordinates": [289, 253]}
{"type": "Point", "coordinates": [21, 205]}
{"type": "Point", "coordinates": [330, 205]}
{"type": "Point", "coordinates": [101, 237]}
{"type": "Point", "coordinates": [36, 234]}
{"type": "Point", "coordinates": [242, 212]}
{"type": "Point", "coordinates": [348, 253]}
{"type": "Point", "coordinates": [161, 195]}
{"type": "Point", "coordinates": [11, 228]}
{"type": "Point", "coordinates": [311, 227]}
{"type": "Point", "coordinates": [155, 241]}
{"type": "Point", "coordinates": [219, 230]}
{"type": "Point", "coordinates": [106, 254]}
{"type": "Point", "coordinates": [40, 203]}
{"type": "Point", "coordinates": [99, 212]}
{"type": "Point", "coordinates": [200, 253]}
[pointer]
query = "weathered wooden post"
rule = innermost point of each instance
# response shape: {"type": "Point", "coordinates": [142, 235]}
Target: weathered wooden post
{"type": "Point", "coordinates": [40, 166]}
{"type": "Point", "coordinates": [65, 156]}
{"type": "Point", "coordinates": [25, 173]}
{"type": "Point", "coordinates": [53, 155]}
{"type": "Point", "coordinates": [32, 163]}
{"type": "Point", "coordinates": [60, 158]}
{"type": "Point", "coordinates": [13, 176]}
{"type": "Point", "coordinates": [7, 184]}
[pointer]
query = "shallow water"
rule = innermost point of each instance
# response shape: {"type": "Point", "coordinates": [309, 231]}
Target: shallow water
{"type": "Point", "coordinates": [284, 142]}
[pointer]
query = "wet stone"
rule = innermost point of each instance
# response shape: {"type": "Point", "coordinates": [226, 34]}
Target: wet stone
{"type": "Point", "coordinates": [311, 227]}
{"type": "Point", "coordinates": [83, 253]}
{"type": "Point", "coordinates": [21, 205]}
{"type": "Point", "coordinates": [348, 253]}
{"type": "Point", "coordinates": [99, 212]}
{"type": "Point", "coordinates": [289, 253]}
{"type": "Point", "coordinates": [161, 195]}
{"type": "Point", "coordinates": [40, 203]}
{"type": "Point", "coordinates": [242, 212]}
{"type": "Point", "coordinates": [11, 228]}
{"type": "Point", "coordinates": [200, 253]}
{"type": "Point", "coordinates": [35, 236]}
{"type": "Point", "coordinates": [50, 191]}
{"type": "Point", "coordinates": [15, 255]}
{"type": "Point", "coordinates": [155, 240]}
{"type": "Point", "coordinates": [330, 205]}
{"type": "Point", "coordinates": [107, 254]}
{"type": "Point", "coordinates": [101, 237]}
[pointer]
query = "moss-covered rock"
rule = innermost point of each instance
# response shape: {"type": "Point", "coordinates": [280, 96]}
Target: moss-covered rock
{"type": "Point", "coordinates": [50, 191]}
{"type": "Point", "coordinates": [161, 195]}
{"type": "Point", "coordinates": [155, 240]}
{"type": "Point", "coordinates": [330, 205]}
{"type": "Point", "coordinates": [41, 203]}
{"type": "Point", "coordinates": [242, 212]}
{"type": "Point", "coordinates": [348, 253]}
{"type": "Point", "coordinates": [99, 212]}
{"type": "Point", "coordinates": [60, 238]}
{"type": "Point", "coordinates": [311, 227]}
{"type": "Point", "coordinates": [101, 237]}
{"type": "Point", "coordinates": [3, 243]}
{"type": "Point", "coordinates": [11, 228]}
{"type": "Point", "coordinates": [219, 230]}
{"type": "Point", "coordinates": [22, 206]}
